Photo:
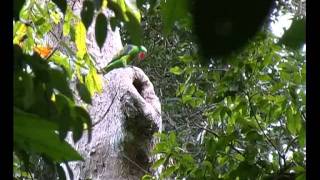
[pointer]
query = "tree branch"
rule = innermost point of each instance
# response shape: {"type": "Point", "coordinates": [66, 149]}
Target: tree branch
{"type": "Point", "coordinates": [134, 163]}
{"type": "Point", "coordinates": [261, 129]}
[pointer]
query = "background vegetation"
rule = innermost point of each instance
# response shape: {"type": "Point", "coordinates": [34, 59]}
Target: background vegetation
{"type": "Point", "coordinates": [240, 116]}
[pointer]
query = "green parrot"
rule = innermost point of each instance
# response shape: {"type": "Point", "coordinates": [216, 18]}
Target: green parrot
{"type": "Point", "coordinates": [129, 55]}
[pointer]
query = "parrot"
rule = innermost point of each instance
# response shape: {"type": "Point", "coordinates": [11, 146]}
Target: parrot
{"type": "Point", "coordinates": [129, 55]}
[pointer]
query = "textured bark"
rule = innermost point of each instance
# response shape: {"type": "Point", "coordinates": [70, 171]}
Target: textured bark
{"type": "Point", "coordinates": [125, 115]}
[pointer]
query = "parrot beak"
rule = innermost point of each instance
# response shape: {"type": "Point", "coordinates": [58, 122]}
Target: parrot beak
{"type": "Point", "coordinates": [141, 56]}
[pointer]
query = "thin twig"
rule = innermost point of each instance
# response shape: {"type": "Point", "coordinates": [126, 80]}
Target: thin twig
{"type": "Point", "coordinates": [104, 115]}
{"type": "Point", "coordinates": [261, 129]}
{"type": "Point", "coordinates": [257, 121]}
{"type": "Point", "coordinates": [215, 134]}
{"type": "Point", "coordinates": [30, 174]}
{"type": "Point", "coordinates": [303, 116]}
{"type": "Point", "coordinates": [74, 2]}
{"type": "Point", "coordinates": [290, 143]}
{"type": "Point", "coordinates": [209, 130]}
{"type": "Point", "coordinates": [54, 50]}
{"type": "Point", "coordinates": [134, 163]}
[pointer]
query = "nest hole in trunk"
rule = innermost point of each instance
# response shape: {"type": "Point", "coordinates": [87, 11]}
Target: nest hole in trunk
{"type": "Point", "coordinates": [138, 85]}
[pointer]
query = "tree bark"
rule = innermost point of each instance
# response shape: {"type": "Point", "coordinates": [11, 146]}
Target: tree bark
{"type": "Point", "coordinates": [125, 116]}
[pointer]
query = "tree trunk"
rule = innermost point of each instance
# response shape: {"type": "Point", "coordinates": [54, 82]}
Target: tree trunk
{"type": "Point", "coordinates": [125, 116]}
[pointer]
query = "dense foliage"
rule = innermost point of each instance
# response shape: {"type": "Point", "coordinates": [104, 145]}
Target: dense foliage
{"type": "Point", "coordinates": [242, 116]}
{"type": "Point", "coordinates": [44, 106]}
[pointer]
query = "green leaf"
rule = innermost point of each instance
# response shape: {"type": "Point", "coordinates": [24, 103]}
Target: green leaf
{"type": "Point", "coordinates": [264, 78]}
{"type": "Point", "coordinates": [63, 62]}
{"type": "Point", "coordinates": [81, 117]}
{"type": "Point", "coordinates": [224, 111]}
{"type": "Point", "coordinates": [285, 77]}
{"type": "Point", "coordinates": [85, 118]}
{"type": "Point", "coordinates": [65, 116]}
{"type": "Point", "coordinates": [207, 165]}
{"type": "Point", "coordinates": [158, 163]}
{"type": "Point", "coordinates": [93, 82]}
{"type": "Point", "coordinates": [168, 172]}
{"type": "Point", "coordinates": [30, 41]}
{"type": "Point", "coordinates": [28, 85]}
{"type": "Point", "coordinates": [253, 136]}
{"type": "Point", "coordinates": [172, 11]}
{"type": "Point", "coordinates": [186, 99]}
{"type": "Point", "coordinates": [187, 161]}
{"type": "Point", "coordinates": [147, 177]}
{"type": "Point", "coordinates": [80, 39]}
{"type": "Point", "coordinates": [185, 59]}
{"type": "Point", "coordinates": [17, 6]}
{"type": "Point", "coordinates": [97, 81]}
{"type": "Point", "coordinates": [302, 137]}
{"type": "Point", "coordinates": [172, 139]}
{"type": "Point", "coordinates": [301, 177]}
{"type": "Point", "coordinates": [87, 13]}
{"type": "Point", "coordinates": [293, 122]}
{"type": "Point", "coordinates": [119, 8]}
{"type": "Point", "coordinates": [114, 22]}
{"type": "Point", "coordinates": [131, 8]}
{"type": "Point", "coordinates": [84, 93]}
{"type": "Point", "coordinates": [61, 173]}
{"type": "Point", "coordinates": [62, 4]}
{"type": "Point", "coordinates": [67, 22]}
{"type": "Point", "coordinates": [245, 170]}
{"type": "Point", "coordinates": [176, 70]}
{"type": "Point", "coordinates": [134, 28]}
{"type": "Point", "coordinates": [33, 133]}
{"type": "Point", "coordinates": [90, 84]}
{"type": "Point", "coordinates": [299, 169]}
{"type": "Point", "coordinates": [239, 157]}
{"type": "Point", "coordinates": [58, 81]}
{"type": "Point", "coordinates": [161, 148]}
{"type": "Point", "coordinates": [101, 29]}
{"type": "Point", "coordinates": [295, 36]}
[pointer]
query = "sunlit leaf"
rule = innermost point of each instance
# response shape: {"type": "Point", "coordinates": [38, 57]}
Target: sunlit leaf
{"type": "Point", "coordinates": [62, 61]}
{"type": "Point", "coordinates": [89, 81]}
{"type": "Point", "coordinates": [176, 70]}
{"type": "Point", "coordinates": [147, 177]}
{"type": "Point", "coordinates": [80, 39]}
{"type": "Point", "coordinates": [67, 22]}
{"type": "Point", "coordinates": [97, 81]}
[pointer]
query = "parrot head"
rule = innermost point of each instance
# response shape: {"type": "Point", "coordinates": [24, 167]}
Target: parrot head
{"type": "Point", "coordinates": [142, 53]}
